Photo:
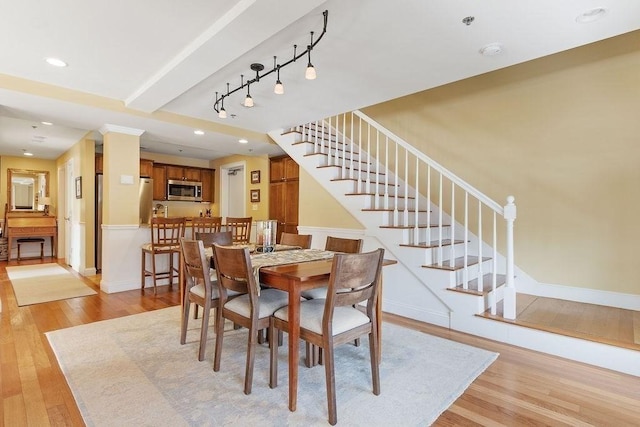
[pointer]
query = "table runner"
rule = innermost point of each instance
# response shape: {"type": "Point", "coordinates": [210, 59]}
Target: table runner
{"type": "Point", "coordinates": [281, 257]}
{"type": "Point", "coordinates": [271, 259]}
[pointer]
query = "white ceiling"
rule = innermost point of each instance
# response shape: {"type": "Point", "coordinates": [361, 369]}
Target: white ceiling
{"type": "Point", "coordinates": [156, 65]}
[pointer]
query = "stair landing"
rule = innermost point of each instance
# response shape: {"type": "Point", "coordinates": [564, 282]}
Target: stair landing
{"type": "Point", "coordinates": [607, 325]}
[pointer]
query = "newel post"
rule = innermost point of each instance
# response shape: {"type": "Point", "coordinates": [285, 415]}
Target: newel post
{"type": "Point", "coordinates": [509, 301]}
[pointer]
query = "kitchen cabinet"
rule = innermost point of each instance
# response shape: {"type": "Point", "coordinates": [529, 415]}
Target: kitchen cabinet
{"type": "Point", "coordinates": [208, 184]}
{"type": "Point", "coordinates": [146, 168]}
{"type": "Point", "coordinates": [283, 168]}
{"type": "Point", "coordinates": [159, 182]}
{"type": "Point", "coordinates": [183, 173]}
{"type": "Point", "coordinates": [284, 194]}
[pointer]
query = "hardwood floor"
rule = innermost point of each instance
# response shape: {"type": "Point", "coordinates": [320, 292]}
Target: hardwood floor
{"type": "Point", "coordinates": [521, 387]}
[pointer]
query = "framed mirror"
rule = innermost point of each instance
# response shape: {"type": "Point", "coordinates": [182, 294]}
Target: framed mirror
{"type": "Point", "coordinates": [26, 190]}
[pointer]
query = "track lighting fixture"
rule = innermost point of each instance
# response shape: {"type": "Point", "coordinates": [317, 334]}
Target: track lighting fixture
{"type": "Point", "coordinates": [222, 113]}
{"type": "Point", "coordinates": [278, 89]}
{"type": "Point", "coordinates": [248, 101]}
{"type": "Point", "coordinates": [310, 74]}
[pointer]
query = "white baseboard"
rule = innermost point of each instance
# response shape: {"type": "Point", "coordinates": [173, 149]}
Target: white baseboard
{"type": "Point", "coordinates": [89, 271]}
{"type": "Point", "coordinates": [588, 296]}
{"type": "Point", "coordinates": [427, 316]}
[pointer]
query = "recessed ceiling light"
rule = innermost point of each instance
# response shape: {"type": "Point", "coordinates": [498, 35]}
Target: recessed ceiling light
{"type": "Point", "coordinates": [26, 153]}
{"type": "Point", "coordinates": [56, 62]}
{"type": "Point", "coordinates": [198, 132]}
{"type": "Point", "coordinates": [243, 141]}
{"type": "Point", "coordinates": [591, 15]}
{"type": "Point", "coordinates": [47, 123]}
{"type": "Point", "coordinates": [491, 49]}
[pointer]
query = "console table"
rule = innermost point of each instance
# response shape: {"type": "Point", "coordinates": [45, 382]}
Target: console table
{"type": "Point", "coordinates": [32, 226]}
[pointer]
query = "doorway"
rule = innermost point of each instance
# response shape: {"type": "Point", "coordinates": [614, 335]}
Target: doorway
{"type": "Point", "coordinates": [233, 190]}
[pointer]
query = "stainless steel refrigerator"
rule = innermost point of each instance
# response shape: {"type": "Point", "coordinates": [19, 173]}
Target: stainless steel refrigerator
{"type": "Point", "coordinates": [146, 205]}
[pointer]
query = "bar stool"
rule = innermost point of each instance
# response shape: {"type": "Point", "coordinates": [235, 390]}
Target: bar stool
{"type": "Point", "coordinates": [165, 240]}
{"type": "Point", "coordinates": [31, 240]}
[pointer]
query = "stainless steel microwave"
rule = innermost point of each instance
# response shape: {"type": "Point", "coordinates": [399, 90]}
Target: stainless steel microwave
{"type": "Point", "coordinates": [187, 191]}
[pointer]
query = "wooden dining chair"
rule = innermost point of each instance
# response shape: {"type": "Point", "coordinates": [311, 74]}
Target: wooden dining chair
{"type": "Point", "coordinates": [292, 239]}
{"type": "Point", "coordinates": [165, 240]}
{"type": "Point", "coordinates": [208, 239]}
{"type": "Point", "coordinates": [334, 244]}
{"type": "Point", "coordinates": [223, 238]}
{"type": "Point", "coordinates": [329, 322]}
{"type": "Point", "coordinates": [201, 289]}
{"type": "Point", "coordinates": [250, 310]}
{"type": "Point", "coordinates": [206, 225]}
{"type": "Point", "coordinates": [240, 227]}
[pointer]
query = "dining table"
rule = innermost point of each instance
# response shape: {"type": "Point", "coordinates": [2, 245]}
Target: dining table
{"type": "Point", "coordinates": [294, 270]}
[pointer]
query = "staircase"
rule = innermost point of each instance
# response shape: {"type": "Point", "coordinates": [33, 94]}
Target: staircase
{"type": "Point", "coordinates": [450, 240]}
{"type": "Point", "coordinates": [432, 222]}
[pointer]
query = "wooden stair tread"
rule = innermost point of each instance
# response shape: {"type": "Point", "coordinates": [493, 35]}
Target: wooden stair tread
{"type": "Point", "coordinates": [350, 169]}
{"type": "Point", "coordinates": [487, 284]}
{"type": "Point", "coordinates": [458, 263]}
{"type": "Point", "coordinates": [432, 244]}
{"type": "Point", "coordinates": [378, 194]}
{"type": "Point", "coordinates": [406, 227]}
{"type": "Point", "coordinates": [365, 181]}
{"type": "Point", "coordinates": [391, 210]}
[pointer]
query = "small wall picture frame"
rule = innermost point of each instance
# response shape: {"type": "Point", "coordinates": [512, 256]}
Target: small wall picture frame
{"type": "Point", "coordinates": [79, 187]}
{"type": "Point", "coordinates": [255, 177]}
{"type": "Point", "coordinates": [254, 196]}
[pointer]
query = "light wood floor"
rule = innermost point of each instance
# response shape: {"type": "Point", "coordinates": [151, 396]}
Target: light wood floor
{"type": "Point", "coordinates": [521, 388]}
{"type": "Point", "coordinates": [608, 325]}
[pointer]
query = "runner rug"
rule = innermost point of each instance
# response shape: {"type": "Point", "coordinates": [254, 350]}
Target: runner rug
{"type": "Point", "coordinates": [38, 283]}
{"type": "Point", "coordinates": [133, 371]}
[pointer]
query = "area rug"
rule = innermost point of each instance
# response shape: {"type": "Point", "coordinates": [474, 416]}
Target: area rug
{"type": "Point", "coordinates": [133, 371]}
{"type": "Point", "coordinates": [38, 283]}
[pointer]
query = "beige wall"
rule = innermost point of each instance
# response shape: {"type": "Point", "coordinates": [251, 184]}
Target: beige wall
{"type": "Point", "coordinates": [561, 135]}
{"type": "Point", "coordinates": [82, 154]}
{"type": "Point", "coordinates": [319, 209]}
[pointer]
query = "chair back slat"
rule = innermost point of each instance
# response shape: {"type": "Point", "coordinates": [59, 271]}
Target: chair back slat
{"type": "Point", "coordinates": [195, 261]}
{"type": "Point", "coordinates": [240, 227]}
{"type": "Point", "coordinates": [354, 278]}
{"type": "Point", "coordinates": [206, 225]}
{"type": "Point", "coordinates": [166, 232]}
{"type": "Point", "coordinates": [224, 238]}
{"type": "Point", "coordinates": [233, 266]}
{"type": "Point", "coordinates": [338, 244]}
{"type": "Point", "coordinates": [291, 239]}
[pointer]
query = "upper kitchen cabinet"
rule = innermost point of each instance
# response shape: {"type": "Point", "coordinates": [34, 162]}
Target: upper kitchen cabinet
{"type": "Point", "coordinates": [208, 184]}
{"type": "Point", "coordinates": [283, 169]}
{"type": "Point", "coordinates": [159, 182]}
{"type": "Point", "coordinates": [146, 168]}
{"type": "Point", "coordinates": [183, 173]}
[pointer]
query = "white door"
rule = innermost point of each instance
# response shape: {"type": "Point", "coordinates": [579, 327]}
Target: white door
{"type": "Point", "coordinates": [71, 254]}
{"type": "Point", "coordinates": [233, 194]}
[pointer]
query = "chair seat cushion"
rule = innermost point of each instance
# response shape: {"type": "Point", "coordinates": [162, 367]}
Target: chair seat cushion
{"type": "Point", "coordinates": [315, 293]}
{"type": "Point", "coordinates": [270, 301]}
{"type": "Point", "coordinates": [31, 239]}
{"type": "Point", "coordinates": [149, 247]}
{"type": "Point", "coordinates": [312, 311]}
{"type": "Point", "coordinates": [198, 290]}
